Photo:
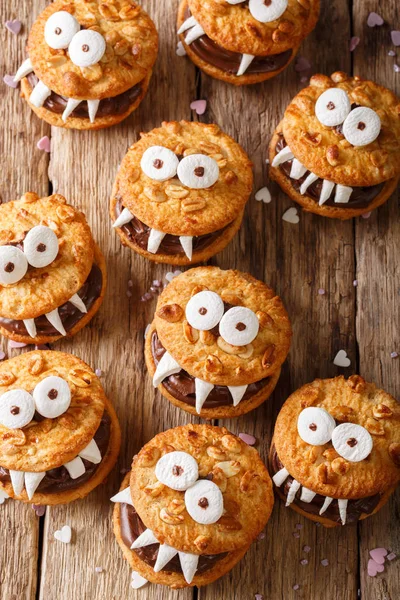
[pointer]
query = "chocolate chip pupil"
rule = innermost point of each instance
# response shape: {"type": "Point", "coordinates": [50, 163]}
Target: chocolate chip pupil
{"type": "Point", "coordinates": [267, 2]}
{"type": "Point", "coordinates": [330, 106]}
{"type": "Point", "coordinates": [9, 268]}
{"type": "Point", "coordinates": [85, 48]}
{"type": "Point", "coordinates": [158, 163]}
{"type": "Point", "coordinates": [14, 410]}
{"type": "Point", "coordinates": [52, 394]}
{"type": "Point", "coordinates": [41, 248]}
{"type": "Point", "coordinates": [177, 470]}
{"type": "Point", "coordinates": [203, 311]}
{"type": "Point", "coordinates": [240, 326]}
{"type": "Point", "coordinates": [313, 427]}
{"type": "Point", "coordinates": [203, 503]}
{"type": "Point", "coordinates": [199, 171]}
{"type": "Point", "coordinates": [361, 126]}
{"type": "Point", "coordinates": [57, 31]}
{"type": "Point", "coordinates": [352, 442]}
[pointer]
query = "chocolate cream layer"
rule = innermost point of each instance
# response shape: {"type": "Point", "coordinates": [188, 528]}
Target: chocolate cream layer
{"type": "Point", "coordinates": [139, 234]}
{"type": "Point", "coordinates": [59, 480]}
{"type": "Point", "coordinates": [182, 385]}
{"type": "Point", "coordinates": [355, 508]}
{"type": "Point", "coordinates": [70, 315]}
{"type": "Point", "coordinates": [360, 197]}
{"type": "Point", "coordinates": [228, 61]}
{"type": "Point", "coordinates": [108, 107]}
{"type": "Point", "coordinates": [132, 526]}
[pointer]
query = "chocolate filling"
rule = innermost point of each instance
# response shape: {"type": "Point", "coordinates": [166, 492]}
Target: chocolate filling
{"type": "Point", "coordinates": [229, 61]}
{"type": "Point", "coordinates": [355, 508]}
{"type": "Point", "coordinates": [139, 234]}
{"type": "Point", "coordinates": [360, 197]}
{"type": "Point", "coordinates": [182, 385]}
{"type": "Point", "coordinates": [132, 526]}
{"type": "Point", "coordinates": [117, 105]}
{"type": "Point", "coordinates": [59, 480]}
{"type": "Point", "coordinates": [69, 314]}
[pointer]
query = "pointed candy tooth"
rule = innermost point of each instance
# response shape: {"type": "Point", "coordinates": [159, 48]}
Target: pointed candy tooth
{"type": "Point", "coordinates": [145, 539]}
{"type": "Point", "coordinates": [187, 245]}
{"type": "Point", "coordinates": [246, 61]}
{"type": "Point", "coordinates": [3, 495]}
{"type": "Point", "coordinates": [202, 390]}
{"type": "Point", "coordinates": [17, 481]}
{"type": "Point", "coordinates": [124, 496]}
{"type": "Point", "coordinates": [166, 367]}
{"type": "Point", "coordinates": [237, 393]}
{"type": "Point", "coordinates": [71, 106]}
{"type": "Point", "coordinates": [54, 318]}
{"type": "Point", "coordinates": [91, 453]}
{"type": "Point", "coordinates": [280, 477]}
{"type": "Point", "coordinates": [298, 170]}
{"type": "Point", "coordinates": [306, 184]}
{"type": "Point", "coordinates": [75, 467]}
{"type": "Point", "coordinates": [194, 34]}
{"type": "Point", "coordinates": [189, 564]}
{"type": "Point", "coordinates": [165, 554]}
{"type": "Point", "coordinates": [325, 505]}
{"type": "Point", "coordinates": [154, 241]}
{"type": "Point", "coordinates": [30, 327]}
{"type": "Point", "coordinates": [283, 156]}
{"type": "Point", "coordinates": [306, 495]}
{"type": "Point", "coordinates": [123, 218]}
{"type": "Point", "coordinates": [343, 510]}
{"type": "Point", "coordinates": [39, 94]}
{"type": "Point", "coordinates": [93, 106]}
{"type": "Point", "coordinates": [342, 194]}
{"type": "Point", "coordinates": [292, 492]}
{"type": "Point", "coordinates": [77, 301]}
{"type": "Point", "coordinates": [32, 481]}
{"type": "Point", "coordinates": [190, 22]}
{"type": "Point", "coordinates": [137, 581]}
{"type": "Point", "coordinates": [24, 70]}
{"type": "Point", "coordinates": [326, 191]}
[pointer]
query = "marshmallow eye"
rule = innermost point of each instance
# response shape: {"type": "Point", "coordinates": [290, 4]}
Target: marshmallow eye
{"type": "Point", "coordinates": [177, 470]}
{"type": "Point", "coordinates": [265, 12]}
{"type": "Point", "coordinates": [52, 397]}
{"type": "Point", "coordinates": [86, 48]}
{"type": "Point", "coordinates": [159, 163]}
{"type": "Point", "coordinates": [204, 310]}
{"type": "Point", "coordinates": [235, 1]}
{"type": "Point", "coordinates": [315, 426]}
{"type": "Point", "coordinates": [198, 171]}
{"type": "Point", "coordinates": [40, 246]}
{"type": "Point", "coordinates": [13, 265]}
{"type": "Point", "coordinates": [239, 326]}
{"type": "Point", "coordinates": [332, 107]}
{"type": "Point", "coordinates": [352, 442]}
{"type": "Point", "coordinates": [204, 502]}
{"type": "Point", "coordinates": [16, 409]}
{"type": "Point", "coordinates": [59, 30]}
{"type": "Point", "coordinates": [362, 126]}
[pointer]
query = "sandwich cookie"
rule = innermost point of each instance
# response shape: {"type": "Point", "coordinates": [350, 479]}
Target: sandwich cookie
{"type": "Point", "coordinates": [335, 453]}
{"type": "Point", "coordinates": [217, 342]}
{"type": "Point", "coordinates": [244, 41]}
{"type": "Point", "coordinates": [195, 499]}
{"type": "Point", "coordinates": [180, 193]}
{"type": "Point", "coordinates": [336, 151]}
{"type": "Point", "coordinates": [89, 63]}
{"type": "Point", "coordinates": [59, 434]}
{"type": "Point", "coordinates": [52, 273]}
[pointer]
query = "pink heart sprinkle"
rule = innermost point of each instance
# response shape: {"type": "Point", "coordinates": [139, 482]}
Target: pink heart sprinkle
{"type": "Point", "coordinates": [324, 562]}
{"type": "Point", "coordinates": [391, 556]}
{"type": "Point", "coordinates": [296, 587]}
{"type": "Point", "coordinates": [321, 291]}
{"type": "Point", "coordinates": [354, 43]}
{"type": "Point", "coordinates": [374, 20]}
{"type": "Point", "coordinates": [374, 568]}
{"type": "Point", "coordinates": [44, 144]}
{"type": "Point", "coordinates": [302, 64]}
{"type": "Point", "coordinates": [14, 26]}
{"type": "Point", "coordinates": [9, 80]}
{"type": "Point", "coordinates": [39, 509]}
{"type": "Point", "coordinates": [395, 35]}
{"type": "Point", "coordinates": [200, 106]}
{"type": "Point", "coordinates": [378, 555]}
{"type": "Point", "coordinates": [2, 355]}
{"type": "Point", "coordinates": [12, 344]}
{"type": "Point", "coordinates": [248, 439]}
{"type": "Point", "coordinates": [396, 68]}
{"type": "Point", "coordinates": [306, 548]}
{"type": "Point", "coordinates": [98, 372]}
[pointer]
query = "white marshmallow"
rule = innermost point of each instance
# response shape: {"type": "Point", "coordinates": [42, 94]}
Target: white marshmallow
{"type": "Point", "coordinates": [239, 326]}
{"type": "Point", "coordinates": [16, 409]}
{"type": "Point", "coordinates": [59, 29]}
{"type": "Point", "coordinates": [332, 107]}
{"type": "Point", "coordinates": [86, 48]}
{"type": "Point", "coordinates": [315, 425]}
{"type": "Point", "coordinates": [343, 510]}
{"type": "Point", "coordinates": [52, 397]}
{"type": "Point", "coordinates": [159, 163]}
{"type": "Point", "coordinates": [137, 581]}
{"type": "Point", "coordinates": [198, 171]}
{"type": "Point", "coordinates": [177, 470]}
{"type": "Point", "coordinates": [188, 24]}
{"type": "Point", "coordinates": [267, 13]}
{"type": "Point", "coordinates": [362, 126]}
{"type": "Point", "coordinates": [353, 442]}
{"type": "Point", "coordinates": [13, 265]}
{"type": "Point", "coordinates": [93, 107]}
{"type": "Point", "coordinates": [40, 246]}
{"type": "Point", "coordinates": [204, 310]}
{"type": "Point", "coordinates": [75, 467]}
{"type": "Point", "coordinates": [204, 502]}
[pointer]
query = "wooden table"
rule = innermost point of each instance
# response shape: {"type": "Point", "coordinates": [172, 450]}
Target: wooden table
{"type": "Point", "coordinates": [297, 260]}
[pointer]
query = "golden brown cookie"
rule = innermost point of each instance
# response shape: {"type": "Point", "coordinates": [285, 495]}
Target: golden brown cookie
{"type": "Point", "coordinates": [197, 498]}
{"type": "Point", "coordinates": [89, 63]}
{"type": "Point", "coordinates": [52, 274]}
{"type": "Point", "coordinates": [59, 435]}
{"type": "Point", "coordinates": [337, 150]}
{"type": "Point", "coordinates": [180, 192]}
{"type": "Point", "coordinates": [244, 42]}
{"type": "Point", "coordinates": [217, 342]}
{"type": "Point", "coordinates": [335, 454]}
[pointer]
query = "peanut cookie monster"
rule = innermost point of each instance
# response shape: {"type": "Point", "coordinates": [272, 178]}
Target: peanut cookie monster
{"type": "Point", "coordinates": [196, 498]}
{"type": "Point", "coordinates": [335, 454]}
{"type": "Point", "coordinates": [59, 435]}
{"type": "Point", "coordinates": [90, 62]}
{"type": "Point", "coordinates": [52, 274]}
{"type": "Point", "coordinates": [180, 193]}
{"type": "Point", "coordinates": [336, 151]}
{"type": "Point", "coordinates": [217, 342]}
{"type": "Point", "coordinates": [244, 41]}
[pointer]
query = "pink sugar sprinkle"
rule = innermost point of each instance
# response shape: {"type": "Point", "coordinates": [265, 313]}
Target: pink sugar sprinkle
{"type": "Point", "coordinates": [366, 215]}
{"type": "Point", "coordinates": [321, 291]}
{"type": "Point", "coordinates": [99, 372]}
{"type": "Point", "coordinates": [39, 509]}
{"type": "Point", "coordinates": [354, 43]}
{"type": "Point", "coordinates": [9, 80]}
{"type": "Point", "coordinates": [299, 526]}
{"type": "Point", "coordinates": [13, 344]}
{"type": "Point", "coordinates": [374, 20]}
{"type": "Point", "coordinates": [324, 562]}
{"type": "Point", "coordinates": [261, 536]}
{"type": "Point", "coordinates": [394, 355]}
{"type": "Point", "coordinates": [395, 35]}
{"type": "Point", "coordinates": [296, 534]}
{"type": "Point", "coordinates": [258, 597]}
{"type": "Point", "coordinates": [396, 68]}
{"type": "Point", "coordinates": [99, 569]}
{"type": "Point", "coordinates": [247, 438]}
{"type": "Point", "coordinates": [391, 556]}
{"type": "Point", "coordinates": [306, 548]}
{"type": "Point", "coordinates": [304, 561]}
{"type": "Point", "coordinates": [355, 283]}
{"type": "Point", "coordinates": [391, 53]}
{"type": "Point", "coordinates": [296, 587]}
{"type": "Point", "coordinates": [129, 293]}
{"type": "Point", "coordinates": [130, 283]}
{"type": "Point", "coordinates": [2, 355]}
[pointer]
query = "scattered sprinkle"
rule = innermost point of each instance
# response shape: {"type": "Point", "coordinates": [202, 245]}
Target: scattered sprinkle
{"type": "Point", "coordinates": [341, 359]}
{"type": "Point", "coordinates": [263, 195]}
{"type": "Point", "coordinates": [395, 35]}
{"type": "Point", "coordinates": [247, 438]}
{"type": "Point", "coordinates": [99, 569]}
{"type": "Point", "coordinates": [44, 144]}
{"type": "Point", "coordinates": [258, 597]}
{"type": "Point", "coordinates": [39, 509]}
{"type": "Point", "coordinates": [374, 20]}
{"type": "Point", "coordinates": [396, 68]}
{"type": "Point", "coordinates": [291, 216]}
{"type": "Point", "coordinates": [15, 26]}
{"type": "Point", "coordinates": [366, 215]}
{"type": "Point", "coordinates": [302, 64]}
{"type": "Point", "coordinates": [170, 276]}
{"type": "Point", "coordinates": [9, 80]}
{"type": "Point", "coordinates": [391, 53]}
{"type": "Point", "coordinates": [321, 291]}
{"type": "Point", "coordinates": [267, 161]}
{"type": "Point", "coordinates": [391, 556]}
{"type": "Point", "coordinates": [306, 549]}
{"type": "Point", "coordinates": [378, 555]}
{"type": "Point", "coordinates": [157, 283]}
{"type": "Point", "coordinates": [64, 534]}
{"type": "Point", "coordinates": [2, 355]}
{"type": "Point", "coordinates": [98, 372]}
{"type": "Point", "coordinates": [304, 561]}
{"type": "Point", "coordinates": [12, 344]}
{"type": "Point", "coordinates": [299, 526]}
{"type": "Point", "coordinates": [3, 496]}
{"type": "Point", "coordinates": [354, 43]}
{"type": "Point", "coordinates": [145, 298]}
{"type": "Point", "coordinates": [373, 568]}
{"type": "Point", "coordinates": [303, 79]}
{"type": "Point", "coordinates": [129, 294]}
{"type": "Point", "coordinates": [324, 562]}
{"type": "Point", "coordinates": [200, 106]}
{"type": "Point", "coordinates": [124, 471]}
{"type": "Point", "coordinates": [180, 49]}
{"type": "Point", "coordinates": [261, 536]}
{"type": "Point", "coordinates": [130, 283]}
{"type": "Point", "coordinates": [296, 534]}
{"type": "Point", "coordinates": [355, 283]}
{"type": "Point", "coordinates": [394, 355]}
{"type": "Point", "coordinates": [296, 587]}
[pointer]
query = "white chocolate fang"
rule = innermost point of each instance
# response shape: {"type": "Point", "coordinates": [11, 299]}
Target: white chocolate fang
{"type": "Point", "coordinates": [78, 303]}
{"type": "Point", "coordinates": [32, 481]}
{"type": "Point", "coordinates": [246, 61]}
{"type": "Point", "coordinates": [190, 22]}
{"type": "Point", "coordinates": [327, 187]}
{"type": "Point", "coordinates": [123, 218]}
{"type": "Point", "coordinates": [280, 477]}
{"type": "Point", "coordinates": [194, 34]}
{"type": "Point", "coordinates": [343, 510]}
{"type": "Point", "coordinates": [71, 106]}
{"type": "Point", "coordinates": [75, 467]}
{"type": "Point", "coordinates": [17, 481]}
{"type": "Point", "coordinates": [30, 327]}
{"type": "Point", "coordinates": [91, 453]}
{"type": "Point", "coordinates": [3, 495]}
{"type": "Point", "coordinates": [292, 491]}
{"type": "Point", "coordinates": [283, 156]}
{"type": "Point", "coordinates": [187, 245]}
{"type": "Point", "coordinates": [189, 564]}
{"type": "Point", "coordinates": [298, 170]}
{"type": "Point", "coordinates": [325, 505]}
{"type": "Point", "coordinates": [342, 194]}
{"type": "Point", "coordinates": [145, 539]}
{"type": "Point", "coordinates": [39, 94]}
{"type": "Point", "coordinates": [54, 318]}
{"type": "Point", "coordinates": [165, 554]}
{"type": "Point", "coordinates": [24, 70]}
{"type": "Point", "coordinates": [237, 393]}
{"type": "Point", "coordinates": [93, 106]}
{"type": "Point", "coordinates": [166, 367]}
{"type": "Point", "coordinates": [202, 390]}
{"type": "Point", "coordinates": [311, 177]}
{"type": "Point", "coordinates": [124, 496]}
{"type": "Point", "coordinates": [154, 241]}
{"type": "Point", "coordinates": [306, 495]}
